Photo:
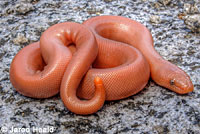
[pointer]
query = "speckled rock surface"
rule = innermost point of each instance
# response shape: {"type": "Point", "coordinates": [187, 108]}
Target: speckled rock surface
{"type": "Point", "coordinates": [155, 110]}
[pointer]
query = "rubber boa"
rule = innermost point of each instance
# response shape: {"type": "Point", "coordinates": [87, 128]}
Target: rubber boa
{"type": "Point", "coordinates": [105, 58]}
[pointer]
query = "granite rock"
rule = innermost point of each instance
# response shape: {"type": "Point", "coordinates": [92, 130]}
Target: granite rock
{"type": "Point", "coordinates": [155, 110]}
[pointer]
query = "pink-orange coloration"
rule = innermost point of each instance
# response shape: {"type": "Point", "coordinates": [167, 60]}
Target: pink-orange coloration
{"type": "Point", "coordinates": [105, 58]}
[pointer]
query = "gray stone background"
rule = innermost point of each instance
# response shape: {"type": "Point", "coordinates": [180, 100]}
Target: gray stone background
{"type": "Point", "coordinates": [175, 26]}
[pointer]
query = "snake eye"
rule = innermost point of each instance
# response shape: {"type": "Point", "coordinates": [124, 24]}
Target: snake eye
{"type": "Point", "coordinates": [172, 82]}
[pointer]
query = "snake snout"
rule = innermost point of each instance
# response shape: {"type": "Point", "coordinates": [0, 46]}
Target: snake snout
{"type": "Point", "coordinates": [181, 83]}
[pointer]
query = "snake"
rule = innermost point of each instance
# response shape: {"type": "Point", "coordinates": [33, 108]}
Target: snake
{"type": "Point", "coordinates": [105, 58]}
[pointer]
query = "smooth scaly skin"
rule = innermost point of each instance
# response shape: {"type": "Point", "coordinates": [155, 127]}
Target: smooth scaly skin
{"type": "Point", "coordinates": [133, 33]}
{"type": "Point", "coordinates": [119, 70]}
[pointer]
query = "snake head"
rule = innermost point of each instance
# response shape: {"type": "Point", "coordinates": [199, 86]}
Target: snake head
{"type": "Point", "coordinates": [174, 78]}
{"type": "Point", "coordinates": [180, 82]}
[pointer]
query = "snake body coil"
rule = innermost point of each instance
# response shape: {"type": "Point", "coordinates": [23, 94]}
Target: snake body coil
{"type": "Point", "coordinates": [105, 58]}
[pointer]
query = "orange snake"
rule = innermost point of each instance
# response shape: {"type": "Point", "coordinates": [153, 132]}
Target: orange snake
{"type": "Point", "coordinates": [96, 65]}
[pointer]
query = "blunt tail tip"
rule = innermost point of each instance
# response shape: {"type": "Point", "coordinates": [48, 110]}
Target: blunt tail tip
{"type": "Point", "coordinates": [98, 81]}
